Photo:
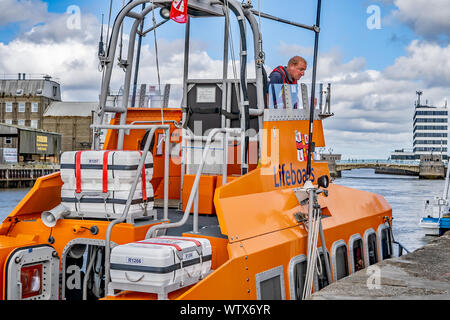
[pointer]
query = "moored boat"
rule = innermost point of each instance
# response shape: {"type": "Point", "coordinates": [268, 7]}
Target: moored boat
{"type": "Point", "coordinates": [435, 219]}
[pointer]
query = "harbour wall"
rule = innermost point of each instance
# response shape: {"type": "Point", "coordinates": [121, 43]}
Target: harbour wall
{"type": "Point", "coordinates": [23, 176]}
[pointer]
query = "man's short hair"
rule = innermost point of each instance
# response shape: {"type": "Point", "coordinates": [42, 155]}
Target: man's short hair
{"type": "Point", "coordinates": [296, 60]}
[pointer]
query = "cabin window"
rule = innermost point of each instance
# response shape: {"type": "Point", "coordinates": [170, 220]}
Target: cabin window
{"type": "Point", "coordinates": [385, 241]}
{"type": "Point", "coordinates": [322, 279]}
{"type": "Point", "coordinates": [270, 284]}
{"type": "Point", "coordinates": [340, 259]}
{"type": "Point", "coordinates": [297, 275]}
{"type": "Point", "coordinates": [357, 253]}
{"type": "Point", "coordinates": [372, 255]}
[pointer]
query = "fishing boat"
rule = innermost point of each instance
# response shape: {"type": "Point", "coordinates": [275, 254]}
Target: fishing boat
{"type": "Point", "coordinates": [160, 209]}
{"type": "Point", "coordinates": [435, 219]}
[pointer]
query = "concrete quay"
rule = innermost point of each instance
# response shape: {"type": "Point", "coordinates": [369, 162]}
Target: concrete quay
{"type": "Point", "coordinates": [420, 275]}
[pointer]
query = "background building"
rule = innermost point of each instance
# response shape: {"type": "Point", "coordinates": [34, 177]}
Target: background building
{"type": "Point", "coordinates": [30, 144]}
{"type": "Point", "coordinates": [403, 154]}
{"type": "Point", "coordinates": [430, 129]}
{"type": "Point", "coordinates": [430, 133]}
{"type": "Point", "coordinates": [73, 121]}
{"type": "Point", "coordinates": [24, 100]}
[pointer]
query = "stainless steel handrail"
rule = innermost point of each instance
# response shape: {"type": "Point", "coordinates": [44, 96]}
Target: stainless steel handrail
{"type": "Point", "coordinates": [152, 230]}
{"type": "Point", "coordinates": [124, 215]}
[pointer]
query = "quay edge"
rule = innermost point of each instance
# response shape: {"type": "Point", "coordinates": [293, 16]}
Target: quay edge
{"type": "Point", "coordinates": [423, 274]}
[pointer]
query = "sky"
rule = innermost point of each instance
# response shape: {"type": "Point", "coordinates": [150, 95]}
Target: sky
{"type": "Point", "coordinates": [375, 54]}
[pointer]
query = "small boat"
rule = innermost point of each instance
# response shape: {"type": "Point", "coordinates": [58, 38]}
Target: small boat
{"type": "Point", "coordinates": [435, 219]}
{"type": "Point", "coordinates": [239, 209]}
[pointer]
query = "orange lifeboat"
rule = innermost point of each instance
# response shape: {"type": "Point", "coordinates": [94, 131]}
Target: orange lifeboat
{"type": "Point", "coordinates": [236, 214]}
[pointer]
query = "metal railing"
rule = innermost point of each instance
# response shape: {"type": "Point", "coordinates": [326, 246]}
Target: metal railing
{"type": "Point", "coordinates": [124, 215]}
{"type": "Point", "coordinates": [379, 161]}
{"type": "Point", "coordinates": [193, 197]}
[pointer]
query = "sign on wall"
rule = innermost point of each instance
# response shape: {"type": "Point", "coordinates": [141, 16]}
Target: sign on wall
{"type": "Point", "coordinates": [10, 155]}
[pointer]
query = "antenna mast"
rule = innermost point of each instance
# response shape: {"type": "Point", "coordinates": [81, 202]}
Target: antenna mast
{"type": "Point", "coordinates": [419, 93]}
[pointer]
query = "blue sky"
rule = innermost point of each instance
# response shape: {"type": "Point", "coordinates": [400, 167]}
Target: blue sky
{"type": "Point", "coordinates": [343, 25]}
{"type": "Point", "coordinates": [374, 72]}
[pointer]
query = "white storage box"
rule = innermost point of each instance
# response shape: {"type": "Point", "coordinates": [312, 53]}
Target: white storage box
{"type": "Point", "coordinates": [160, 264]}
{"type": "Point", "coordinates": [96, 204]}
{"type": "Point", "coordinates": [121, 168]}
{"type": "Point", "coordinates": [96, 184]}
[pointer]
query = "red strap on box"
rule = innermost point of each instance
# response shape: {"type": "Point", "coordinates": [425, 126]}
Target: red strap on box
{"type": "Point", "coordinates": [78, 170]}
{"type": "Point", "coordinates": [164, 244]}
{"type": "Point", "coordinates": [144, 184]}
{"type": "Point", "coordinates": [105, 171]}
{"type": "Point", "coordinates": [197, 243]}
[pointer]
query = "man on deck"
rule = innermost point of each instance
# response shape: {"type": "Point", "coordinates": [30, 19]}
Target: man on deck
{"type": "Point", "coordinates": [291, 74]}
{"type": "Point", "coordinates": [287, 75]}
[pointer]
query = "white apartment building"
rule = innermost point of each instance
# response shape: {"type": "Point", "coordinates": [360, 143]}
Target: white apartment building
{"type": "Point", "coordinates": [430, 130]}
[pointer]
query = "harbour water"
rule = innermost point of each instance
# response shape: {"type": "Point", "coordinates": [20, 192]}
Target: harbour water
{"type": "Point", "coordinates": [405, 194]}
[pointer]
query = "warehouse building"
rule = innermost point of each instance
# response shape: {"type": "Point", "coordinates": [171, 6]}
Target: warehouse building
{"type": "Point", "coordinates": [26, 144]}
{"type": "Point", "coordinates": [73, 121]}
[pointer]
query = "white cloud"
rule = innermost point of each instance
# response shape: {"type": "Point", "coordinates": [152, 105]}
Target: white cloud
{"type": "Point", "coordinates": [429, 18]}
{"type": "Point", "coordinates": [424, 60]}
{"type": "Point", "coordinates": [29, 12]}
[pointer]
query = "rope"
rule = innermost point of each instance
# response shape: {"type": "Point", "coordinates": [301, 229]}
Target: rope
{"type": "Point", "coordinates": [233, 62]}
{"type": "Point", "coordinates": [121, 36]}
{"type": "Point", "coordinates": [109, 22]}
{"type": "Point", "coordinates": [312, 250]}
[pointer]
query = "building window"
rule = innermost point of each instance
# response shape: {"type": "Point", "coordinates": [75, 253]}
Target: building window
{"type": "Point", "coordinates": [8, 121]}
{"type": "Point", "coordinates": [297, 276]}
{"type": "Point", "coordinates": [8, 107]}
{"type": "Point", "coordinates": [340, 259]}
{"type": "Point", "coordinates": [270, 284]}
{"type": "Point", "coordinates": [21, 107]}
{"type": "Point", "coordinates": [34, 124]}
{"type": "Point", "coordinates": [21, 122]}
{"type": "Point", "coordinates": [34, 107]}
{"type": "Point", "coordinates": [356, 253]}
{"type": "Point", "coordinates": [8, 140]}
{"type": "Point", "coordinates": [371, 244]}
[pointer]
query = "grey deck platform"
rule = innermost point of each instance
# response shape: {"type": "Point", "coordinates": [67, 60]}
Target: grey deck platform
{"type": "Point", "coordinates": [207, 224]}
{"type": "Point", "coordinates": [423, 274]}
